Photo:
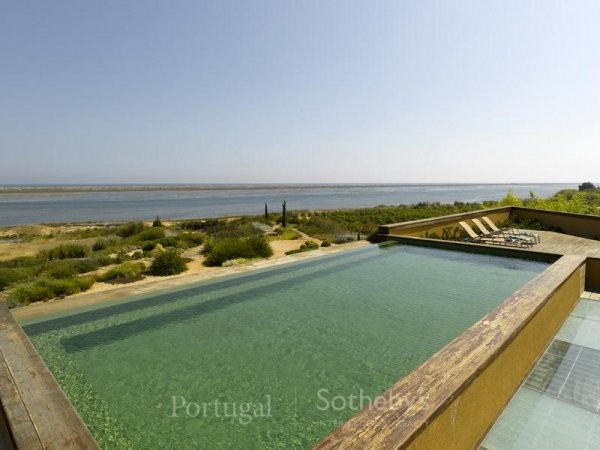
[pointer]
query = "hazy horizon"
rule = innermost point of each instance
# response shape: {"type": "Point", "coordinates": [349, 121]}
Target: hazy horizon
{"type": "Point", "coordinates": [147, 92]}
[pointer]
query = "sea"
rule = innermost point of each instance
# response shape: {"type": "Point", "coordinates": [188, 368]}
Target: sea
{"type": "Point", "coordinates": [52, 205]}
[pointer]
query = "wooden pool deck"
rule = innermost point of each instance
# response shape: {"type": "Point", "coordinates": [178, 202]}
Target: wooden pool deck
{"type": "Point", "coordinates": [564, 244]}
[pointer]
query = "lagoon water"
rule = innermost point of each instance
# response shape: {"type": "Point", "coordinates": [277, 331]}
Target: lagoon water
{"type": "Point", "coordinates": [231, 200]}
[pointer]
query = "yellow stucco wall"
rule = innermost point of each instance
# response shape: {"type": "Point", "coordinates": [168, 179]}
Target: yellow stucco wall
{"type": "Point", "coordinates": [437, 226]}
{"type": "Point", "coordinates": [573, 224]}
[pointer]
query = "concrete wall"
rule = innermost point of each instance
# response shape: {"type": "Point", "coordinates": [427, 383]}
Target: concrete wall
{"type": "Point", "coordinates": [452, 400]}
{"type": "Point", "coordinates": [574, 224]}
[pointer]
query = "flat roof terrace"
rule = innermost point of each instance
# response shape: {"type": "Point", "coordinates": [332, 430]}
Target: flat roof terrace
{"type": "Point", "coordinates": [564, 244]}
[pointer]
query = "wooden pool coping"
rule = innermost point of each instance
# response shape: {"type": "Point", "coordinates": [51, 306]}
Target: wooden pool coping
{"type": "Point", "coordinates": [38, 413]}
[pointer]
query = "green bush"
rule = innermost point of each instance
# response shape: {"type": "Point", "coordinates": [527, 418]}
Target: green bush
{"type": "Point", "coordinates": [90, 264]}
{"type": "Point", "coordinates": [307, 246]}
{"type": "Point", "coordinates": [233, 248]}
{"type": "Point", "coordinates": [65, 251]}
{"type": "Point", "coordinates": [157, 222]}
{"type": "Point", "coordinates": [223, 228]}
{"type": "Point", "coordinates": [21, 261]}
{"type": "Point", "coordinates": [124, 273]}
{"type": "Point", "coordinates": [168, 263]}
{"type": "Point", "coordinates": [326, 243]}
{"type": "Point", "coordinates": [191, 239]}
{"type": "Point", "coordinates": [46, 288]}
{"type": "Point", "coordinates": [130, 228]}
{"type": "Point", "coordinates": [62, 269]}
{"type": "Point", "coordinates": [10, 276]}
{"type": "Point", "coordinates": [150, 234]}
{"type": "Point", "coordinates": [104, 243]}
{"type": "Point", "coordinates": [148, 246]}
{"type": "Point", "coordinates": [122, 256]}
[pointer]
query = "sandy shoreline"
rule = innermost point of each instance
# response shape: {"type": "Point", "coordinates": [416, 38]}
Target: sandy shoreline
{"type": "Point", "coordinates": [103, 292]}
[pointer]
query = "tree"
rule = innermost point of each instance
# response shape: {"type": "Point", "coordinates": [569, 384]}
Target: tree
{"type": "Point", "coordinates": [587, 186]}
{"type": "Point", "coordinates": [284, 220]}
{"type": "Point", "coordinates": [266, 211]}
{"type": "Point", "coordinates": [157, 222]}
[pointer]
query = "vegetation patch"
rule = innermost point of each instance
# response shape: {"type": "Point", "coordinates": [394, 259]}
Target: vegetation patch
{"type": "Point", "coordinates": [10, 276]}
{"type": "Point", "coordinates": [44, 289]}
{"type": "Point", "coordinates": [65, 251]}
{"type": "Point", "coordinates": [168, 263]}
{"type": "Point", "coordinates": [306, 247]}
{"type": "Point", "coordinates": [105, 243]}
{"type": "Point", "coordinates": [126, 272]}
{"type": "Point", "coordinates": [219, 251]}
{"type": "Point", "coordinates": [130, 228]}
{"type": "Point", "coordinates": [286, 234]}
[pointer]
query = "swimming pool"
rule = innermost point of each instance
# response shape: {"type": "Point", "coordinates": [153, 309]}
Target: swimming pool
{"type": "Point", "coordinates": [273, 359]}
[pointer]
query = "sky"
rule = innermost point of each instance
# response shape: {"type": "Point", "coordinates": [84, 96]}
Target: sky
{"type": "Point", "coordinates": [299, 91]}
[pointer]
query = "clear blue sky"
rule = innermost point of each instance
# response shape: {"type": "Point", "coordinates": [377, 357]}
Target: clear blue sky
{"type": "Point", "coordinates": [299, 91]}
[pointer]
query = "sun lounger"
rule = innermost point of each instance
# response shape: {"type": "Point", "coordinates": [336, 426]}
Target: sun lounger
{"type": "Point", "coordinates": [495, 229]}
{"type": "Point", "coordinates": [474, 237]}
{"type": "Point", "coordinates": [510, 231]}
{"type": "Point", "coordinates": [509, 237]}
{"type": "Point", "coordinates": [494, 239]}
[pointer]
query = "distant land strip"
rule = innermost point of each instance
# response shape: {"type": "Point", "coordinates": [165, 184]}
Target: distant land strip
{"type": "Point", "coordinates": [11, 189]}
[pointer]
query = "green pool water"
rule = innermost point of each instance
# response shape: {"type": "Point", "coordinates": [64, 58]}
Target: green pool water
{"type": "Point", "coordinates": [273, 359]}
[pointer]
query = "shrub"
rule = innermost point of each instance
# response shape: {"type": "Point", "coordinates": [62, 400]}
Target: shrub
{"type": "Point", "coordinates": [10, 276]}
{"type": "Point", "coordinates": [170, 242]}
{"type": "Point", "coordinates": [104, 243]}
{"type": "Point", "coordinates": [220, 228]}
{"type": "Point", "coordinates": [62, 269]}
{"type": "Point", "coordinates": [150, 234]}
{"type": "Point", "coordinates": [130, 228]}
{"type": "Point", "coordinates": [65, 251]}
{"type": "Point", "coordinates": [307, 246]}
{"type": "Point", "coordinates": [288, 234]}
{"type": "Point", "coordinates": [47, 288]}
{"type": "Point", "coordinates": [21, 261]}
{"type": "Point", "coordinates": [122, 256]}
{"type": "Point", "coordinates": [233, 248]}
{"type": "Point", "coordinates": [157, 222]}
{"type": "Point", "coordinates": [124, 273]}
{"type": "Point", "coordinates": [137, 255]}
{"type": "Point", "coordinates": [168, 263]}
{"type": "Point", "coordinates": [148, 246]}
{"type": "Point", "coordinates": [192, 239]}
{"type": "Point", "coordinates": [91, 264]}
{"type": "Point", "coordinates": [326, 243]}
